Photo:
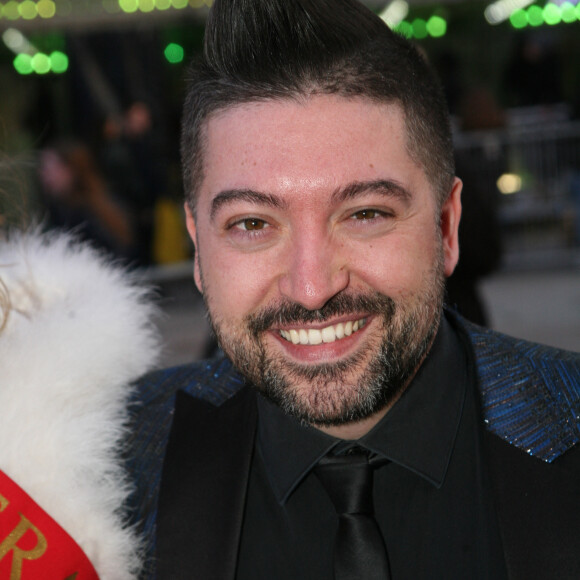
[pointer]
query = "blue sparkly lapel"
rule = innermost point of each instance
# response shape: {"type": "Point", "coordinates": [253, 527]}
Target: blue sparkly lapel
{"type": "Point", "coordinates": [530, 393]}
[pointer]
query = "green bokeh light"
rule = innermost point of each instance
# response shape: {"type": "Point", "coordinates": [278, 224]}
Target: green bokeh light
{"type": "Point", "coordinates": [163, 4]}
{"type": "Point", "coordinates": [129, 6]}
{"type": "Point", "coordinates": [535, 15]}
{"type": "Point", "coordinates": [419, 28]}
{"type": "Point", "coordinates": [146, 5]}
{"type": "Point", "coordinates": [436, 26]}
{"type": "Point", "coordinates": [11, 11]}
{"type": "Point", "coordinates": [23, 64]}
{"type": "Point", "coordinates": [179, 4]}
{"type": "Point", "coordinates": [59, 62]}
{"type": "Point", "coordinates": [568, 13]}
{"type": "Point", "coordinates": [552, 14]}
{"type": "Point", "coordinates": [41, 63]}
{"type": "Point", "coordinates": [28, 10]}
{"type": "Point", "coordinates": [46, 8]}
{"type": "Point", "coordinates": [174, 53]}
{"type": "Point", "coordinates": [519, 19]}
{"type": "Point", "coordinates": [405, 29]}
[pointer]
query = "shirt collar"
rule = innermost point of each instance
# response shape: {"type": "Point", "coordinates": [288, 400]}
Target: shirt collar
{"type": "Point", "coordinates": [418, 433]}
{"type": "Point", "coordinates": [289, 448]}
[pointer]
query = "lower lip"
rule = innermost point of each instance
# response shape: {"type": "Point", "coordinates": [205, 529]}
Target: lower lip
{"type": "Point", "coordinates": [326, 351]}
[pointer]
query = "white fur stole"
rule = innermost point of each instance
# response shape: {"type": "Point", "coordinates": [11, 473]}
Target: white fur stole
{"type": "Point", "coordinates": [79, 331]}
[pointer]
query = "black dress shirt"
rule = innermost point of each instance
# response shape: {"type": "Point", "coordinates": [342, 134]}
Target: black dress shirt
{"type": "Point", "coordinates": [433, 501]}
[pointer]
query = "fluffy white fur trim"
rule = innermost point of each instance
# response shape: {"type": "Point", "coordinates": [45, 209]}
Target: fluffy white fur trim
{"type": "Point", "coordinates": [80, 330]}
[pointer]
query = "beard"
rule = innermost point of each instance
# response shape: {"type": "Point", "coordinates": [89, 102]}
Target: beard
{"type": "Point", "coordinates": [351, 389]}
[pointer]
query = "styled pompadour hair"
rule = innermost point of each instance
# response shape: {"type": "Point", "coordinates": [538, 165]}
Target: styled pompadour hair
{"type": "Point", "coordinates": [259, 50]}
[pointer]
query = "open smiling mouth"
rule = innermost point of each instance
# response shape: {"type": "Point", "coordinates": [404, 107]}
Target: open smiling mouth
{"type": "Point", "coordinates": [314, 336]}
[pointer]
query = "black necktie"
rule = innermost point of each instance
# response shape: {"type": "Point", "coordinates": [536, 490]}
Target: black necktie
{"type": "Point", "coordinates": [359, 549]}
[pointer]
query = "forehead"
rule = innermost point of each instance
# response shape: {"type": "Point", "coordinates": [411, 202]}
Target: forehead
{"type": "Point", "coordinates": [322, 141]}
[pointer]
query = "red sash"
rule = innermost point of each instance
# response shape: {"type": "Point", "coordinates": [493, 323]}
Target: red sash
{"type": "Point", "coordinates": [32, 544]}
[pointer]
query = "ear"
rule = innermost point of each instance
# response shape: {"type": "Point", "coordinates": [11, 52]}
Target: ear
{"type": "Point", "coordinates": [192, 230]}
{"type": "Point", "coordinates": [450, 216]}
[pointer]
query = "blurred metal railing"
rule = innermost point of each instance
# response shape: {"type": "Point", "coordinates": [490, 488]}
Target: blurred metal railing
{"type": "Point", "coordinates": [533, 167]}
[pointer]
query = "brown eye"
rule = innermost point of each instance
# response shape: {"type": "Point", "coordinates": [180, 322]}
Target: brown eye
{"type": "Point", "coordinates": [253, 224]}
{"type": "Point", "coordinates": [366, 214]}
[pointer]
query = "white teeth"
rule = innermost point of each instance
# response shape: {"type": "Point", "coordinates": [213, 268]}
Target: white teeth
{"type": "Point", "coordinates": [348, 328]}
{"type": "Point", "coordinates": [315, 336]}
{"type": "Point", "coordinates": [328, 334]}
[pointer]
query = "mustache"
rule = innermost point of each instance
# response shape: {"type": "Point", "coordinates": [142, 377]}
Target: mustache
{"type": "Point", "coordinates": [287, 312]}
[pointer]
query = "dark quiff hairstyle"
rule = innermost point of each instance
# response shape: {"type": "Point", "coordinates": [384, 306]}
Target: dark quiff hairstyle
{"type": "Point", "coordinates": [259, 50]}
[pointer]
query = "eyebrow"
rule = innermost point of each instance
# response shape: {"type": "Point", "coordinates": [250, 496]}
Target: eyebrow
{"type": "Point", "coordinates": [384, 187]}
{"type": "Point", "coordinates": [247, 195]}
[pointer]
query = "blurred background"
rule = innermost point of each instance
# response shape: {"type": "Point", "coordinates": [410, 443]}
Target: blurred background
{"type": "Point", "coordinates": [90, 100]}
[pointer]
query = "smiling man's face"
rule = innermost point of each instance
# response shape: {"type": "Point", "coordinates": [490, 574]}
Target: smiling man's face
{"type": "Point", "coordinates": [321, 253]}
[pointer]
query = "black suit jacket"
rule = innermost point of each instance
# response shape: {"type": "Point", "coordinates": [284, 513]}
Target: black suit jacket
{"type": "Point", "coordinates": [194, 434]}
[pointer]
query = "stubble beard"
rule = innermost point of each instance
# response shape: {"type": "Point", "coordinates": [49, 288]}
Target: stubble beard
{"type": "Point", "coordinates": [356, 387]}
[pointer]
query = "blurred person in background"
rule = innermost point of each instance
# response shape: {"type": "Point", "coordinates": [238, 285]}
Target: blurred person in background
{"type": "Point", "coordinates": [75, 330]}
{"type": "Point", "coordinates": [134, 163]}
{"type": "Point", "coordinates": [77, 198]}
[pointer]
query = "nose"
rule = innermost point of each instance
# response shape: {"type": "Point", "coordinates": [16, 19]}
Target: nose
{"type": "Point", "coordinates": [314, 273]}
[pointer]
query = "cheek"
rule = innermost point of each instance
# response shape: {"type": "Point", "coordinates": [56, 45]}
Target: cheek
{"type": "Point", "coordinates": [235, 284]}
{"type": "Point", "coordinates": [398, 264]}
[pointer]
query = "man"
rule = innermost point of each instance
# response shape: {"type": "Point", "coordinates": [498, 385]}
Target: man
{"type": "Point", "coordinates": [322, 202]}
